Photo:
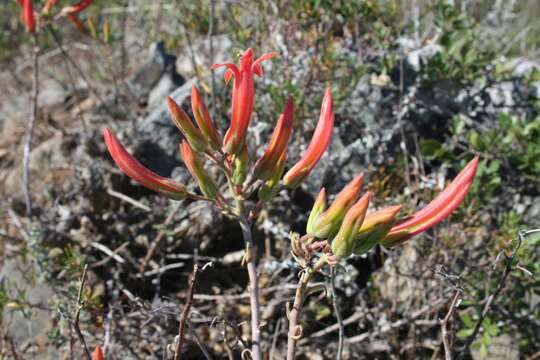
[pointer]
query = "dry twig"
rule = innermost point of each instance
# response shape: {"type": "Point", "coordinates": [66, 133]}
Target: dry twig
{"type": "Point", "coordinates": [338, 313]}
{"type": "Point", "coordinates": [185, 313]}
{"type": "Point", "coordinates": [75, 322]}
{"type": "Point", "coordinates": [447, 326]}
{"type": "Point", "coordinates": [30, 129]}
{"type": "Point", "coordinates": [159, 237]}
{"type": "Point", "coordinates": [509, 261]}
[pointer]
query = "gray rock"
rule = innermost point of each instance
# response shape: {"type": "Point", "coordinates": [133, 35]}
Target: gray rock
{"type": "Point", "coordinates": [523, 67]}
{"type": "Point", "coordinates": [158, 64]}
{"type": "Point", "coordinates": [531, 215]}
{"type": "Point", "coordinates": [416, 58]}
{"type": "Point", "coordinates": [201, 53]}
{"type": "Point", "coordinates": [157, 136]}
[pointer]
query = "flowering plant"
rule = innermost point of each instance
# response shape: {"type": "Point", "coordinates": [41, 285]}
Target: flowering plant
{"type": "Point", "coordinates": [333, 232]}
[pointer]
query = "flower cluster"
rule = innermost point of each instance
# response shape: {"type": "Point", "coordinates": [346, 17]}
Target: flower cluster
{"type": "Point", "coordinates": [345, 226]}
{"type": "Point", "coordinates": [28, 16]}
{"type": "Point", "coordinates": [230, 152]}
{"type": "Point", "coordinates": [350, 229]}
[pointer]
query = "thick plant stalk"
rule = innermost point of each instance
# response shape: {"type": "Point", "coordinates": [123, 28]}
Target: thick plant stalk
{"type": "Point", "coordinates": [295, 330]}
{"type": "Point", "coordinates": [253, 289]}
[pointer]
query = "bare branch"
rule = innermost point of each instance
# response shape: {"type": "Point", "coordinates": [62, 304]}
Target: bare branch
{"type": "Point", "coordinates": [185, 313]}
{"type": "Point", "coordinates": [80, 306]}
{"type": "Point", "coordinates": [509, 261]}
{"type": "Point", "coordinates": [447, 325]}
{"type": "Point", "coordinates": [337, 311]}
{"type": "Point", "coordinates": [30, 129]}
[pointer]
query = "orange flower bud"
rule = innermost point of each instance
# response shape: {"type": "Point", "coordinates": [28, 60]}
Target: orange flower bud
{"type": "Point", "coordinates": [203, 119]}
{"type": "Point", "coordinates": [97, 354]}
{"type": "Point", "coordinates": [344, 242]}
{"type": "Point", "coordinates": [269, 189]}
{"type": "Point", "coordinates": [28, 16]}
{"type": "Point", "coordinates": [442, 206]}
{"type": "Point", "coordinates": [318, 145]}
{"type": "Point", "coordinates": [77, 8]}
{"type": "Point", "coordinates": [318, 207]}
{"type": "Point", "coordinates": [375, 227]}
{"type": "Point", "coordinates": [185, 125]}
{"type": "Point", "coordinates": [264, 167]}
{"type": "Point", "coordinates": [327, 224]}
{"type": "Point", "coordinates": [195, 167]}
{"type": "Point", "coordinates": [135, 170]}
{"type": "Point", "coordinates": [242, 99]}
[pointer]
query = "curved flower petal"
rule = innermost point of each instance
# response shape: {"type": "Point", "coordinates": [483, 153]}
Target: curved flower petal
{"type": "Point", "coordinates": [185, 125]}
{"type": "Point", "coordinates": [138, 172]}
{"type": "Point", "coordinates": [264, 167]}
{"type": "Point", "coordinates": [442, 206]}
{"type": "Point", "coordinates": [203, 119]}
{"type": "Point", "coordinates": [318, 145]}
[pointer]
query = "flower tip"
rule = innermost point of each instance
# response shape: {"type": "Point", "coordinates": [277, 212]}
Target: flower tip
{"type": "Point", "coordinates": [195, 95]}
{"type": "Point", "coordinates": [358, 181]}
{"type": "Point", "coordinates": [289, 107]}
{"type": "Point", "coordinates": [394, 210]}
{"type": "Point", "coordinates": [327, 103]}
{"type": "Point", "coordinates": [110, 139]}
{"type": "Point", "coordinates": [474, 163]}
{"type": "Point", "coordinates": [97, 354]}
{"type": "Point", "coordinates": [106, 132]}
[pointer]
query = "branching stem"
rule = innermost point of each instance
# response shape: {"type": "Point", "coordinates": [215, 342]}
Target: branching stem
{"type": "Point", "coordinates": [251, 265]}
{"type": "Point", "coordinates": [295, 330]}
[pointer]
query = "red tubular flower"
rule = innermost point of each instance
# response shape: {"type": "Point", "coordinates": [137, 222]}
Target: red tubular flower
{"type": "Point", "coordinates": [264, 167]}
{"type": "Point", "coordinates": [195, 167]}
{"type": "Point", "coordinates": [185, 125]}
{"type": "Point", "coordinates": [97, 354]}
{"type": "Point", "coordinates": [328, 222]}
{"type": "Point", "coordinates": [242, 99]}
{"type": "Point", "coordinates": [203, 119]}
{"type": "Point", "coordinates": [28, 16]}
{"type": "Point", "coordinates": [138, 172]}
{"type": "Point", "coordinates": [77, 8]}
{"type": "Point", "coordinates": [442, 206]}
{"type": "Point", "coordinates": [318, 145]}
